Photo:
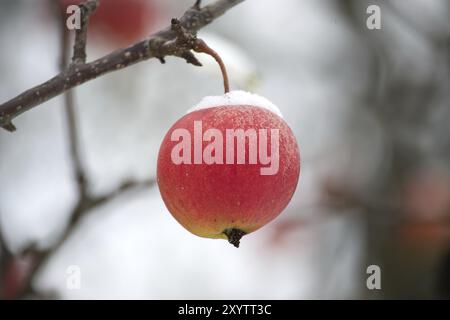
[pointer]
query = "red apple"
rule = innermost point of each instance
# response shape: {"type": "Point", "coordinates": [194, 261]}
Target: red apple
{"type": "Point", "coordinates": [216, 187]}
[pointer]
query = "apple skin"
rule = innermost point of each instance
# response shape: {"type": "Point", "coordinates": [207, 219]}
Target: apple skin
{"type": "Point", "coordinates": [208, 199]}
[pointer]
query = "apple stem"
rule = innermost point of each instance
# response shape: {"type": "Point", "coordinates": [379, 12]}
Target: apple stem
{"type": "Point", "coordinates": [234, 236]}
{"type": "Point", "coordinates": [202, 47]}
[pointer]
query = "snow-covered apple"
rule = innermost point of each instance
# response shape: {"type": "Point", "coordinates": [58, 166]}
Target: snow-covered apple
{"type": "Point", "coordinates": [229, 166]}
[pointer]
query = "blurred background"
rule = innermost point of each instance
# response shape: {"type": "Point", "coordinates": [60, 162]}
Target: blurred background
{"type": "Point", "coordinates": [369, 108]}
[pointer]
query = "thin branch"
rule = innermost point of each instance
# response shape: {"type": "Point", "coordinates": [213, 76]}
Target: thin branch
{"type": "Point", "coordinates": [74, 143]}
{"type": "Point", "coordinates": [79, 49]}
{"type": "Point", "coordinates": [82, 209]}
{"type": "Point", "coordinates": [6, 257]}
{"type": "Point", "coordinates": [79, 56]}
{"type": "Point", "coordinates": [157, 46]}
{"type": "Point", "coordinates": [198, 4]}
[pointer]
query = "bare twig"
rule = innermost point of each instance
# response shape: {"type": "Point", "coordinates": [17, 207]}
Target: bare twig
{"type": "Point", "coordinates": [42, 256]}
{"type": "Point", "coordinates": [157, 46]}
{"type": "Point", "coordinates": [5, 256]}
{"type": "Point", "coordinates": [7, 260]}
{"type": "Point", "coordinates": [79, 49]}
{"type": "Point", "coordinates": [79, 56]}
{"type": "Point", "coordinates": [74, 144]}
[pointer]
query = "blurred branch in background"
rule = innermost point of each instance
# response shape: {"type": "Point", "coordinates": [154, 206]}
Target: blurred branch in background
{"type": "Point", "coordinates": [163, 43]}
{"type": "Point", "coordinates": [5, 257]}
{"type": "Point", "coordinates": [406, 209]}
{"type": "Point", "coordinates": [414, 195]}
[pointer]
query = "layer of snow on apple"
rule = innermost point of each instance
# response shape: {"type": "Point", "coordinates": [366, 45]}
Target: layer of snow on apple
{"type": "Point", "coordinates": [234, 98]}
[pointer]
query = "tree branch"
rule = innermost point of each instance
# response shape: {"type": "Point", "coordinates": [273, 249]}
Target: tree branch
{"type": "Point", "coordinates": [6, 260]}
{"type": "Point", "coordinates": [79, 49]}
{"type": "Point", "coordinates": [160, 45]}
{"type": "Point", "coordinates": [79, 56]}
{"type": "Point", "coordinates": [40, 257]}
{"type": "Point", "coordinates": [5, 256]}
